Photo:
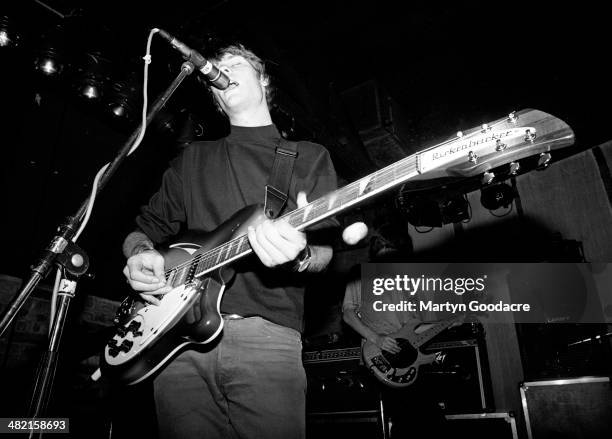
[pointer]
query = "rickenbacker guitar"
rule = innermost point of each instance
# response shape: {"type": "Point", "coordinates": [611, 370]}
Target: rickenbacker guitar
{"type": "Point", "coordinates": [402, 369]}
{"type": "Point", "coordinates": [147, 337]}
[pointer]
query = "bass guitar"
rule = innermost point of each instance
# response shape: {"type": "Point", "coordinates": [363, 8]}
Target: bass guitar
{"type": "Point", "coordinates": [198, 266]}
{"type": "Point", "coordinates": [402, 369]}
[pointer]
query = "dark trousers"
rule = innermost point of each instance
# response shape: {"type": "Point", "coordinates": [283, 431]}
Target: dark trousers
{"type": "Point", "coordinates": [250, 385]}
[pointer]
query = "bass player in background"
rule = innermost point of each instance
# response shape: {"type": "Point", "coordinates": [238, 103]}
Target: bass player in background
{"type": "Point", "coordinates": [410, 409]}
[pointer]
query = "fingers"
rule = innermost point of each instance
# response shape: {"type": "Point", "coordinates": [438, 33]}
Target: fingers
{"type": "Point", "coordinates": [301, 199]}
{"type": "Point", "coordinates": [354, 233]}
{"type": "Point", "coordinates": [149, 297]}
{"type": "Point", "coordinates": [389, 344]}
{"type": "Point", "coordinates": [145, 272]}
{"type": "Point", "coordinates": [276, 242]}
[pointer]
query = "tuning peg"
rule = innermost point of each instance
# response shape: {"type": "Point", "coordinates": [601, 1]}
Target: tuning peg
{"type": "Point", "coordinates": [514, 168]}
{"type": "Point", "coordinates": [512, 117]}
{"type": "Point", "coordinates": [499, 145]}
{"type": "Point", "coordinates": [529, 136]}
{"type": "Point", "coordinates": [472, 157]}
{"type": "Point", "coordinates": [544, 160]}
{"type": "Point", "coordinates": [485, 127]}
{"type": "Point", "coordinates": [487, 178]}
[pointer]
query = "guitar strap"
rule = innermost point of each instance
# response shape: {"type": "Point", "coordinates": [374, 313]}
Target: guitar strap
{"type": "Point", "coordinates": [277, 189]}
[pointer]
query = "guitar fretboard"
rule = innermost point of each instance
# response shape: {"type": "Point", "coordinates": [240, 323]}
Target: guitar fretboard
{"type": "Point", "coordinates": [301, 218]}
{"type": "Point", "coordinates": [427, 335]}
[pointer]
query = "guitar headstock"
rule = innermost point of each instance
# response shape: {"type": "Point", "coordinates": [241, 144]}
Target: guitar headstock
{"type": "Point", "coordinates": [504, 142]}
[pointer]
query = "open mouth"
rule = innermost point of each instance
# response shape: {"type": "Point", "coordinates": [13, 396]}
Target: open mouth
{"type": "Point", "coordinates": [232, 85]}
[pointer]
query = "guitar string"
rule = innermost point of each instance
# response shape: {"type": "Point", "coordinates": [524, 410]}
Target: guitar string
{"type": "Point", "coordinates": [376, 178]}
{"type": "Point", "coordinates": [379, 178]}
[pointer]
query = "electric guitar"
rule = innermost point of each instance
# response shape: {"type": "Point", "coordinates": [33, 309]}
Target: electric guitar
{"type": "Point", "coordinates": [402, 369]}
{"type": "Point", "coordinates": [198, 266]}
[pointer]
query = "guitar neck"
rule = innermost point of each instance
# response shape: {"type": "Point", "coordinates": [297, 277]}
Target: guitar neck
{"type": "Point", "coordinates": [427, 335]}
{"type": "Point", "coordinates": [468, 154]}
{"type": "Point", "coordinates": [353, 193]}
{"type": "Point", "coordinates": [314, 212]}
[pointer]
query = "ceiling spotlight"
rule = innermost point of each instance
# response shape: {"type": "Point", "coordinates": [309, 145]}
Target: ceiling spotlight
{"type": "Point", "coordinates": [92, 77]}
{"type": "Point", "coordinates": [8, 36]}
{"type": "Point", "coordinates": [48, 62]}
{"type": "Point", "coordinates": [496, 196]}
{"type": "Point", "coordinates": [122, 99]}
{"type": "Point", "coordinates": [5, 39]}
{"type": "Point", "coordinates": [90, 89]}
{"type": "Point", "coordinates": [49, 52]}
{"type": "Point", "coordinates": [120, 110]}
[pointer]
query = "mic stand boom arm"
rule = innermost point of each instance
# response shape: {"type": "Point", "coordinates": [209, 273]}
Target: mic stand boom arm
{"type": "Point", "coordinates": [62, 251]}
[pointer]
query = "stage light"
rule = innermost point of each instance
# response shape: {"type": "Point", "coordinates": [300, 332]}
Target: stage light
{"type": "Point", "coordinates": [5, 39]}
{"type": "Point", "coordinates": [433, 209]}
{"type": "Point", "coordinates": [91, 89]}
{"type": "Point", "coordinates": [49, 62]}
{"type": "Point", "coordinates": [49, 52]}
{"type": "Point", "coordinates": [122, 99]}
{"type": "Point", "coordinates": [8, 36]}
{"type": "Point", "coordinates": [92, 77]}
{"type": "Point", "coordinates": [495, 196]}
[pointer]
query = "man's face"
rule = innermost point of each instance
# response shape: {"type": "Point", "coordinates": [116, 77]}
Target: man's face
{"type": "Point", "coordinates": [247, 88]}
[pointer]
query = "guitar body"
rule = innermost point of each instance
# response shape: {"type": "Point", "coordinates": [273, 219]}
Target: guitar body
{"type": "Point", "coordinates": [401, 369]}
{"type": "Point", "coordinates": [148, 336]}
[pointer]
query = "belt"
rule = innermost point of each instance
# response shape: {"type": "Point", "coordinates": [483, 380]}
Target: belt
{"type": "Point", "coordinates": [232, 317]}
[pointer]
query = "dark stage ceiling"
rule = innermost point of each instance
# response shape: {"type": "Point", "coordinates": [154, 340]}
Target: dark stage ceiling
{"type": "Point", "coordinates": [448, 67]}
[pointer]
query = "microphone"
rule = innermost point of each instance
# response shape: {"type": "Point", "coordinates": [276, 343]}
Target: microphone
{"type": "Point", "coordinates": [216, 77]}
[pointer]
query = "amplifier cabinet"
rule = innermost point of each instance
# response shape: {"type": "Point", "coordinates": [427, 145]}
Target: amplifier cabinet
{"type": "Point", "coordinates": [349, 425]}
{"type": "Point", "coordinates": [483, 425]}
{"type": "Point", "coordinates": [338, 383]}
{"type": "Point", "coordinates": [459, 378]}
{"type": "Point", "coordinates": [568, 408]}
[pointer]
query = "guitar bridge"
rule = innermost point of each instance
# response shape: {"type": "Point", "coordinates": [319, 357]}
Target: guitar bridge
{"type": "Point", "coordinates": [381, 363]}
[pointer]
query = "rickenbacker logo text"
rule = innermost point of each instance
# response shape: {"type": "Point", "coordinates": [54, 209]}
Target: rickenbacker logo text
{"type": "Point", "coordinates": [478, 142]}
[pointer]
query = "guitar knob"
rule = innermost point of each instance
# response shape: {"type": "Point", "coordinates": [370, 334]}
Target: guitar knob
{"type": "Point", "coordinates": [514, 168]}
{"type": "Point", "coordinates": [126, 345]}
{"type": "Point", "coordinates": [113, 352]}
{"type": "Point", "coordinates": [134, 326]}
{"type": "Point", "coordinates": [499, 145]}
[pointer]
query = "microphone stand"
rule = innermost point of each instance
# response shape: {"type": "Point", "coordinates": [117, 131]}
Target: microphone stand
{"type": "Point", "coordinates": [73, 263]}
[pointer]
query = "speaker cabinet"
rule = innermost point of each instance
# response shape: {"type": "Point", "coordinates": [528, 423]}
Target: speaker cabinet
{"type": "Point", "coordinates": [483, 425]}
{"type": "Point", "coordinates": [459, 378]}
{"type": "Point", "coordinates": [343, 398]}
{"type": "Point", "coordinates": [337, 383]}
{"type": "Point", "coordinates": [568, 408]}
{"type": "Point", "coordinates": [349, 425]}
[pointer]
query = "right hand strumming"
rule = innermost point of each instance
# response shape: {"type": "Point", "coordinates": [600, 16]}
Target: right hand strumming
{"type": "Point", "coordinates": [145, 274]}
{"type": "Point", "coordinates": [387, 343]}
